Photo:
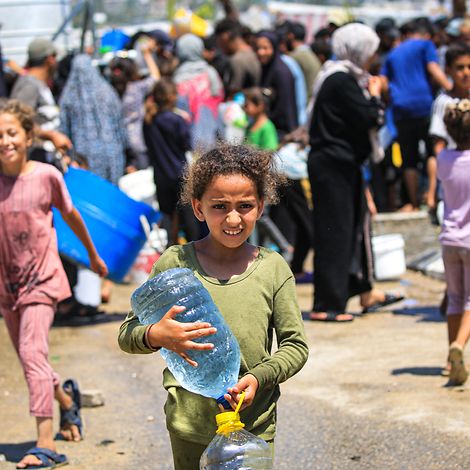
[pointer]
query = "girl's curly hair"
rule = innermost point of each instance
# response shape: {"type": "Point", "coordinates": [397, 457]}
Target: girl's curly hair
{"type": "Point", "coordinates": [457, 121]}
{"type": "Point", "coordinates": [257, 165]}
{"type": "Point", "coordinates": [24, 113]}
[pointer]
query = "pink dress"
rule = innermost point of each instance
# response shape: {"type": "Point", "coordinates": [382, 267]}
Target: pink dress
{"type": "Point", "coordinates": [30, 267]}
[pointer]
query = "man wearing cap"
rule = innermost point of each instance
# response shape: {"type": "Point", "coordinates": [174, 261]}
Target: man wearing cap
{"type": "Point", "coordinates": [33, 89]}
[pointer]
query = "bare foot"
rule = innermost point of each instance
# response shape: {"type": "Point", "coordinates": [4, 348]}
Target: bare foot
{"type": "Point", "coordinates": [331, 317]}
{"type": "Point", "coordinates": [406, 208]}
{"type": "Point", "coordinates": [372, 297]}
{"type": "Point", "coordinates": [29, 461]}
{"type": "Point", "coordinates": [70, 432]}
{"type": "Point", "coordinates": [32, 461]}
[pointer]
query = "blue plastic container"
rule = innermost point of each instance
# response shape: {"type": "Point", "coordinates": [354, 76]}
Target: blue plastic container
{"type": "Point", "coordinates": [112, 218]}
{"type": "Point", "coordinates": [116, 40]}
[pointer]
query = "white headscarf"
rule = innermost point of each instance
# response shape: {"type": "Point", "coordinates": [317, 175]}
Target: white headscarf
{"type": "Point", "coordinates": [355, 42]}
{"type": "Point", "coordinates": [353, 45]}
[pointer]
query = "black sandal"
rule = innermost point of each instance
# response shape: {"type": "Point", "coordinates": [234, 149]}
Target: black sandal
{"type": "Point", "coordinates": [388, 300]}
{"type": "Point", "coordinates": [330, 317]}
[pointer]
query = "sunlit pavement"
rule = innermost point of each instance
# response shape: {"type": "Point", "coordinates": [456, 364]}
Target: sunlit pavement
{"type": "Point", "coordinates": [370, 396]}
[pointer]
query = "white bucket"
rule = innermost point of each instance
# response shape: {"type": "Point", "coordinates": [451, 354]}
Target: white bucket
{"type": "Point", "coordinates": [88, 288]}
{"type": "Point", "coordinates": [139, 185]}
{"type": "Point", "coordinates": [389, 256]}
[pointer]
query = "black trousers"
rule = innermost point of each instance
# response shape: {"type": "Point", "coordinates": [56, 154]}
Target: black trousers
{"type": "Point", "coordinates": [342, 262]}
{"type": "Point", "coordinates": [294, 219]}
{"type": "Point", "coordinates": [410, 132]}
{"type": "Point", "coordinates": [168, 193]}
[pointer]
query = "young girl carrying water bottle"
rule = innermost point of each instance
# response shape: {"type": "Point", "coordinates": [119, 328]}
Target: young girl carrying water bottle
{"type": "Point", "coordinates": [253, 288]}
{"type": "Point", "coordinates": [32, 279]}
{"type": "Point", "coordinates": [453, 170]}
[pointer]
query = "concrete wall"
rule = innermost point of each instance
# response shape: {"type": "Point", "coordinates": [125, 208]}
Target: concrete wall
{"type": "Point", "coordinates": [418, 232]}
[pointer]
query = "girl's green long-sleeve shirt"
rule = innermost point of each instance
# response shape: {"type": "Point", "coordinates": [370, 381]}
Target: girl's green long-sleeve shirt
{"type": "Point", "coordinates": [255, 304]}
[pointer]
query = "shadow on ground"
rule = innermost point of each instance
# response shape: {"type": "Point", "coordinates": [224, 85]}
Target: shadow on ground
{"type": "Point", "coordinates": [87, 320]}
{"type": "Point", "coordinates": [423, 371]}
{"type": "Point", "coordinates": [425, 313]}
{"type": "Point", "coordinates": [15, 452]}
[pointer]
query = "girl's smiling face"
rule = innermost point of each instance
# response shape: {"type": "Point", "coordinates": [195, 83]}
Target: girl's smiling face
{"type": "Point", "coordinates": [230, 206]}
{"type": "Point", "coordinates": [14, 143]}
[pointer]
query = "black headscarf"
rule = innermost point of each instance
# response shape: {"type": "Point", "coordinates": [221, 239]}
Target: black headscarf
{"type": "Point", "coordinates": [277, 76]}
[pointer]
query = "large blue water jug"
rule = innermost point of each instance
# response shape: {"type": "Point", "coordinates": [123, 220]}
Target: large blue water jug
{"type": "Point", "coordinates": [113, 219]}
{"type": "Point", "coordinates": [217, 368]}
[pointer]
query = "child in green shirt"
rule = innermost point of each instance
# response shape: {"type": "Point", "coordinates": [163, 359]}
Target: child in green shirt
{"type": "Point", "coordinates": [253, 288]}
{"type": "Point", "coordinates": [261, 133]}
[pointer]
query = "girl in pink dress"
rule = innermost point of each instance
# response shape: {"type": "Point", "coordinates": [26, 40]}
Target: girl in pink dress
{"type": "Point", "coordinates": [32, 279]}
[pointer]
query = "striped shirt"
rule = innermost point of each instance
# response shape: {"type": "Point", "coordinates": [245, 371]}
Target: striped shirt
{"type": "Point", "coordinates": [30, 267]}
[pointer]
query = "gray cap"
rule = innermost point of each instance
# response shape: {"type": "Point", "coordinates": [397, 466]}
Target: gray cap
{"type": "Point", "coordinates": [40, 48]}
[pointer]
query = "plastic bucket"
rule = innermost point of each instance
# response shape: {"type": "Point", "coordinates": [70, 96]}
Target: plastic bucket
{"type": "Point", "coordinates": [88, 288]}
{"type": "Point", "coordinates": [389, 256]}
{"type": "Point", "coordinates": [112, 218]}
{"type": "Point", "coordinates": [140, 186]}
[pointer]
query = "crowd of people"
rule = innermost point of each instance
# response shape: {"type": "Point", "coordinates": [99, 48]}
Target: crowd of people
{"type": "Point", "coordinates": [362, 120]}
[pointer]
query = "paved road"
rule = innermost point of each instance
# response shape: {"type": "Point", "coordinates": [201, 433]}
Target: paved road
{"type": "Point", "coordinates": [370, 396]}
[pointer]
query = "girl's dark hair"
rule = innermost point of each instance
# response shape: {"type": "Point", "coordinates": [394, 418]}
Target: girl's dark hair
{"type": "Point", "coordinates": [457, 121]}
{"type": "Point", "coordinates": [123, 70]}
{"type": "Point", "coordinates": [161, 93]}
{"type": "Point", "coordinates": [24, 113]}
{"type": "Point", "coordinates": [160, 98]}
{"type": "Point", "coordinates": [259, 96]}
{"type": "Point", "coordinates": [257, 165]}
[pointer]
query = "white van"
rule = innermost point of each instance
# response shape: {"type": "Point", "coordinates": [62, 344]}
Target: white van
{"type": "Point", "coordinates": [23, 20]}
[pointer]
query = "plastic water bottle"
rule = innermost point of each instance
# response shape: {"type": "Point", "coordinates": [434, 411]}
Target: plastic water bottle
{"type": "Point", "coordinates": [217, 368]}
{"type": "Point", "coordinates": [233, 448]}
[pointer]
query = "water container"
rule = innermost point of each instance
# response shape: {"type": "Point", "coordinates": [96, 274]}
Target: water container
{"type": "Point", "coordinates": [234, 448]}
{"type": "Point", "coordinates": [217, 368]}
{"type": "Point", "coordinates": [389, 256]}
{"type": "Point", "coordinates": [87, 291]}
{"type": "Point", "coordinates": [112, 218]}
{"type": "Point", "coordinates": [115, 40]}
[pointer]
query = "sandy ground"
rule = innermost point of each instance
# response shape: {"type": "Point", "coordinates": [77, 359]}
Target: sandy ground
{"type": "Point", "coordinates": [370, 396]}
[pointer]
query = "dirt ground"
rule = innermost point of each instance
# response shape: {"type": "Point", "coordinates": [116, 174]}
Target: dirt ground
{"type": "Point", "coordinates": [370, 396]}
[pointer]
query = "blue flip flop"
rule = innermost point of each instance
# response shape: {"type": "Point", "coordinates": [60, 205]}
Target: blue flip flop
{"type": "Point", "coordinates": [72, 415]}
{"type": "Point", "coordinates": [49, 458]}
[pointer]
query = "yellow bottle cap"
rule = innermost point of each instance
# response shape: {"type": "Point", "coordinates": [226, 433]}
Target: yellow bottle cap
{"type": "Point", "coordinates": [229, 421]}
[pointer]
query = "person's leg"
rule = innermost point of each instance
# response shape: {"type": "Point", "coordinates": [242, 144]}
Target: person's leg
{"type": "Point", "coordinates": [189, 223]}
{"type": "Point", "coordinates": [409, 146]}
{"type": "Point", "coordinates": [333, 215]}
{"type": "Point", "coordinates": [33, 348]}
{"type": "Point", "coordinates": [431, 166]}
{"type": "Point", "coordinates": [453, 269]}
{"type": "Point", "coordinates": [411, 180]}
{"type": "Point", "coordinates": [12, 322]}
{"type": "Point", "coordinates": [281, 215]}
{"type": "Point", "coordinates": [455, 278]}
{"type": "Point", "coordinates": [302, 217]}
{"type": "Point", "coordinates": [186, 455]}
{"type": "Point", "coordinates": [463, 333]}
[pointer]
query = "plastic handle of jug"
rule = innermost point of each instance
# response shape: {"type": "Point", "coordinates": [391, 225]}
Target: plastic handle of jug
{"type": "Point", "coordinates": [242, 397]}
{"type": "Point", "coordinates": [145, 225]}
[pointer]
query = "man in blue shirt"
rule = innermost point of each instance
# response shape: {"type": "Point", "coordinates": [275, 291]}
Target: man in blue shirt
{"type": "Point", "coordinates": [407, 72]}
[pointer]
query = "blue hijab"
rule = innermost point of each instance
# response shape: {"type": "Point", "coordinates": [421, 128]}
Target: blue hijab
{"type": "Point", "coordinates": [91, 115]}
